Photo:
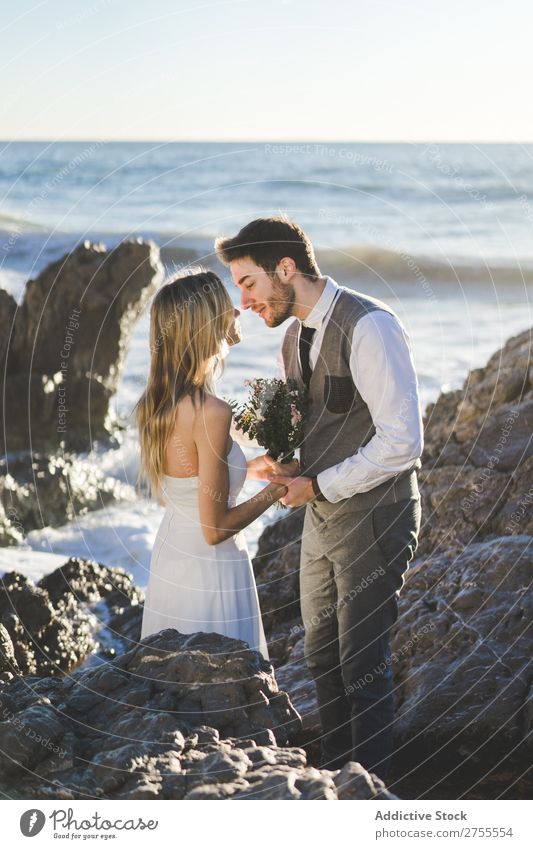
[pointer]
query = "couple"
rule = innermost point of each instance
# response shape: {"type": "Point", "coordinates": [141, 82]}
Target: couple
{"type": "Point", "coordinates": [357, 474]}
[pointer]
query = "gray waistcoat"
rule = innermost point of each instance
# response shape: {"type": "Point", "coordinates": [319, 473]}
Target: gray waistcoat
{"type": "Point", "coordinates": [338, 421]}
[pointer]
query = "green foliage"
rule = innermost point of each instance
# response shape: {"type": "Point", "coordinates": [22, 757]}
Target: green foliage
{"type": "Point", "coordinates": [273, 415]}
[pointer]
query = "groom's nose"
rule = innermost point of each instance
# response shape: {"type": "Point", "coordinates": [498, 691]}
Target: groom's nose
{"type": "Point", "coordinates": [246, 301]}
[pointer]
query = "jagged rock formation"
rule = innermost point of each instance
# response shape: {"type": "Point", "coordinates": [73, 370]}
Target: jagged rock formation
{"type": "Point", "coordinates": [177, 717]}
{"type": "Point", "coordinates": [277, 569]}
{"type": "Point", "coordinates": [462, 653]}
{"type": "Point", "coordinates": [38, 491]}
{"type": "Point", "coordinates": [9, 667]}
{"type": "Point", "coordinates": [63, 347]}
{"type": "Point", "coordinates": [76, 611]}
{"type": "Point", "coordinates": [477, 469]}
{"type": "Point", "coordinates": [61, 355]}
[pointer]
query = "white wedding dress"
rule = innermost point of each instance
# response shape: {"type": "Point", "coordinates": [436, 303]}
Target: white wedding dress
{"type": "Point", "coordinates": [194, 586]}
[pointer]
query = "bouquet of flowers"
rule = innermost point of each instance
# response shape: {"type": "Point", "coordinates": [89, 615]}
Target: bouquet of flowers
{"type": "Point", "coordinates": [273, 415]}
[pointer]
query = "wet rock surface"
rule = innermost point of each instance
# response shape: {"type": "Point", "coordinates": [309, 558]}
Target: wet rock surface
{"type": "Point", "coordinates": [61, 358]}
{"type": "Point", "coordinates": [71, 614]}
{"type": "Point", "coordinates": [9, 667]}
{"type": "Point", "coordinates": [176, 717]}
{"type": "Point", "coordinates": [40, 491]}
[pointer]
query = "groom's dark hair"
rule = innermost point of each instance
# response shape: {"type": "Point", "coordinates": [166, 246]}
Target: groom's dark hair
{"type": "Point", "coordinates": [266, 241]}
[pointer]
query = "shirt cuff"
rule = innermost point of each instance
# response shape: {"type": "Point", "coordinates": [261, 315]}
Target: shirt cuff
{"type": "Point", "coordinates": [326, 482]}
{"type": "Point", "coordinates": [319, 495]}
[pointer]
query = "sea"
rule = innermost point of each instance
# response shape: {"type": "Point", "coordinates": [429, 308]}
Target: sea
{"type": "Point", "coordinates": [442, 232]}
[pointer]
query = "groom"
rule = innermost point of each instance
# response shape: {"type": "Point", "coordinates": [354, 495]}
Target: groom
{"type": "Point", "coordinates": [363, 439]}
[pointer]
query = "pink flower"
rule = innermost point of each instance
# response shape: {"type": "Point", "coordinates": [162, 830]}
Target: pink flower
{"type": "Point", "coordinates": [296, 416]}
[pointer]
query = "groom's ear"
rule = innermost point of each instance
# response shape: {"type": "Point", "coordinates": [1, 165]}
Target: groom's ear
{"type": "Point", "coordinates": [286, 269]}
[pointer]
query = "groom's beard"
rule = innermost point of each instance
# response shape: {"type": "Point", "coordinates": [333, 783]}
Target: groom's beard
{"type": "Point", "coordinates": [281, 302]}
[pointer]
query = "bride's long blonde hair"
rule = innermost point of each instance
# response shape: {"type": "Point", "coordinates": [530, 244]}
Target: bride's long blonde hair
{"type": "Point", "coordinates": [190, 318]}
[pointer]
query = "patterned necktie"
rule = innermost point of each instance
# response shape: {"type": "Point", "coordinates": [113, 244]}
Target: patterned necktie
{"type": "Point", "coordinates": [304, 346]}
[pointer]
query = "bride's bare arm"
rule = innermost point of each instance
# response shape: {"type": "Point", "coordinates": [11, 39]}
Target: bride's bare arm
{"type": "Point", "coordinates": [211, 429]}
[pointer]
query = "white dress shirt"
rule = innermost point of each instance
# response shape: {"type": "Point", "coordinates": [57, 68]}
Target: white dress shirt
{"type": "Point", "coordinates": [381, 363]}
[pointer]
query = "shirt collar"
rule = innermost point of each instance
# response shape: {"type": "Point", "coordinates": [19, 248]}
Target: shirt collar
{"type": "Point", "coordinates": [322, 306]}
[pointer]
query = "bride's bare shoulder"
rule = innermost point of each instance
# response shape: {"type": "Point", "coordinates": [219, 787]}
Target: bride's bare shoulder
{"type": "Point", "coordinates": [211, 431]}
{"type": "Point", "coordinates": [213, 412]}
{"type": "Point", "coordinates": [191, 411]}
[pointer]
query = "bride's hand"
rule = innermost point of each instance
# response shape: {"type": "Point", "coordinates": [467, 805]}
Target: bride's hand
{"type": "Point", "coordinates": [289, 470]}
{"type": "Point", "coordinates": [264, 468]}
{"type": "Point", "coordinates": [276, 490]}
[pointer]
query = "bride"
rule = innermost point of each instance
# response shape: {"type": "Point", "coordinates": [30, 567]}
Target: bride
{"type": "Point", "coordinates": [201, 577]}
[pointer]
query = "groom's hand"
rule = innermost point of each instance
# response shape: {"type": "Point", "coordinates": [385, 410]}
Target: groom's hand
{"type": "Point", "coordinates": [264, 468]}
{"type": "Point", "coordinates": [300, 490]}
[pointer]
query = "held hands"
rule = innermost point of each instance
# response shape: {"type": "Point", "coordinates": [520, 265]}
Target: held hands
{"type": "Point", "coordinates": [291, 489]}
{"type": "Point", "coordinates": [264, 468]}
{"type": "Point", "coordinates": [299, 490]}
{"type": "Point", "coordinates": [278, 491]}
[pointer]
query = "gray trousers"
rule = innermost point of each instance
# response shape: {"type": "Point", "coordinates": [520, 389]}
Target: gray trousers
{"type": "Point", "coordinates": [354, 555]}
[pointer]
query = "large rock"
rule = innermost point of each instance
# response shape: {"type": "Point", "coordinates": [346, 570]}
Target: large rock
{"type": "Point", "coordinates": [277, 570]}
{"type": "Point", "coordinates": [293, 676]}
{"type": "Point", "coordinates": [67, 345]}
{"type": "Point", "coordinates": [177, 717]}
{"type": "Point", "coordinates": [462, 654]}
{"type": "Point", "coordinates": [76, 611]}
{"type": "Point", "coordinates": [9, 667]}
{"type": "Point", "coordinates": [39, 491]}
{"type": "Point", "coordinates": [478, 457]}
{"type": "Point", "coordinates": [8, 309]}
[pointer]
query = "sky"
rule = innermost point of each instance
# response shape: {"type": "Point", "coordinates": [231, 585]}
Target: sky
{"type": "Point", "coordinates": [284, 70]}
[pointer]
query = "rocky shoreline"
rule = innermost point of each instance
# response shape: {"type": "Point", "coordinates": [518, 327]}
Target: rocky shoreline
{"type": "Point", "coordinates": [89, 711]}
{"type": "Point", "coordinates": [463, 642]}
{"type": "Point", "coordinates": [176, 717]}
{"type": "Point", "coordinates": [61, 355]}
